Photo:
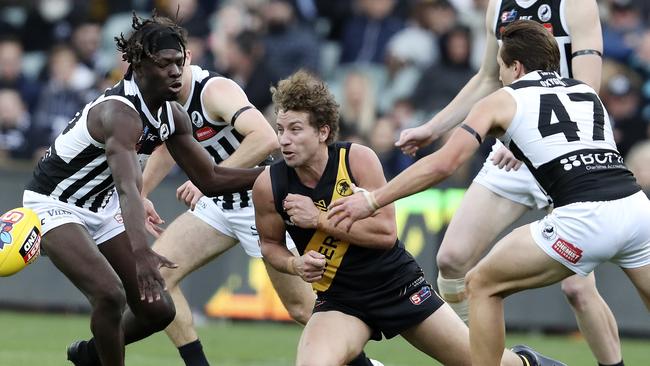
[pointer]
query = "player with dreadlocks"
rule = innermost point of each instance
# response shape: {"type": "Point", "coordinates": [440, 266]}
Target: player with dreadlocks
{"type": "Point", "coordinates": [86, 190]}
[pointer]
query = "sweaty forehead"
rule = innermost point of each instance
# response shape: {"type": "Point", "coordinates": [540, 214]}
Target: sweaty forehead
{"type": "Point", "coordinates": [286, 118]}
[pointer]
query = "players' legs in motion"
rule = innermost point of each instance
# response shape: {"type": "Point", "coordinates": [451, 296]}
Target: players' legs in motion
{"type": "Point", "coordinates": [296, 295]}
{"type": "Point", "coordinates": [640, 277]}
{"type": "Point", "coordinates": [331, 338]}
{"type": "Point", "coordinates": [76, 255]}
{"type": "Point", "coordinates": [514, 264]}
{"type": "Point", "coordinates": [481, 217]}
{"type": "Point", "coordinates": [445, 337]}
{"type": "Point", "coordinates": [595, 319]}
{"type": "Point", "coordinates": [190, 243]}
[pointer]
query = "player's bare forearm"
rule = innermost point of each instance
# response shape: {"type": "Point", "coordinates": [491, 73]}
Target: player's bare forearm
{"type": "Point", "coordinates": [158, 166]}
{"type": "Point", "coordinates": [278, 256]}
{"type": "Point", "coordinates": [376, 232]}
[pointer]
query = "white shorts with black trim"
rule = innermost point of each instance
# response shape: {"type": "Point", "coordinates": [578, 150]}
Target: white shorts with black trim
{"type": "Point", "coordinates": [237, 223]}
{"type": "Point", "coordinates": [101, 225]}
{"type": "Point", "coordinates": [585, 234]}
{"type": "Point", "coordinates": [516, 185]}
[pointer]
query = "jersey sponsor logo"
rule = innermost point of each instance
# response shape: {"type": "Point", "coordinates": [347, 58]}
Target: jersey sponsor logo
{"type": "Point", "coordinates": [58, 212]}
{"type": "Point", "coordinates": [594, 161]}
{"type": "Point", "coordinates": [509, 16]}
{"type": "Point", "coordinates": [544, 13]}
{"type": "Point", "coordinates": [205, 133]}
{"type": "Point", "coordinates": [567, 250]}
{"type": "Point", "coordinates": [31, 245]}
{"type": "Point", "coordinates": [421, 296]}
{"type": "Point", "coordinates": [343, 188]}
{"type": "Point", "coordinates": [254, 230]}
{"type": "Point", "coordinates": [197, 120]}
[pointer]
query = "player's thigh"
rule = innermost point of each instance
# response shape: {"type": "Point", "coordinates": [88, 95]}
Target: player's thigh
{"type": "Point", "coordinates": [481, 217]}
{"type": "Point", "coordinates": [332, 338]}
{"type": "Point", "coordinates": [76, 255]}
{"type": "Point", "coordinates": [190, 242]}
{"type": "Point", "coordinates": [640, 277]}
{"type": "Point", "coordinates": [443, 336]}
{"type": "Point", "coordinates": [515, 263]}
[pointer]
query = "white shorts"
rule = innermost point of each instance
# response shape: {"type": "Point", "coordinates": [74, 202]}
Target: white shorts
{"type": "Point", "coordinates": [516, 185]}
{"type": "Point", "coordinates": [585, 234]}
{"type": "Point", "coordinates": [102, 225]}
{"type": "Point", "coordinates": [238, 223]}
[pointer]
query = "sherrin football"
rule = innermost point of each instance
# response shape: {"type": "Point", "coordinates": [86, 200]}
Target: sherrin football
{"type": "Point", "coordinates": [20, 240]}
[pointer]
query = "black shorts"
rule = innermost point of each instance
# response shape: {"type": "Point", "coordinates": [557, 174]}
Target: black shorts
{"type": "Point", "coordinates": [388, 312]}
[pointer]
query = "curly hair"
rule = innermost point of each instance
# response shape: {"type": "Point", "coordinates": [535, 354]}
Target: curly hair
{"type": "Point", "coordinates": [144, 38]}
{"type": "Point", "coordinates": [304, 92]}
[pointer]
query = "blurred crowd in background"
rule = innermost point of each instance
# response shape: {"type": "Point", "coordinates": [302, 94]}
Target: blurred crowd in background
{"type": "Point", "coordinates": [392, 64]}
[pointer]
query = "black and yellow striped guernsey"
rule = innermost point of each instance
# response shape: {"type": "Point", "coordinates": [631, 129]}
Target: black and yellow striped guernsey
{"type": "Point", "coordinates": [351, 270]}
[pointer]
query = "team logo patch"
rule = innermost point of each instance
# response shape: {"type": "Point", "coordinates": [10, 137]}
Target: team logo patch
{"type": "Point", "coordinates": [548, 231]}
{"type": "Point", "coordinates": [567, 250]}
{"type": "Point", "coordinates": [343, 187]}
{"type": "Point", "coordinates": [197, 120]}
{"type": "Point", "coordinates": [118, 217]}
{"type": "Point", "coordinates": [205, 133]}
{"type": "Point", "coordinates": [509, 16]}
{"type": "Point", "coordinates": [544, 12]}
{"type": "Point", "coordinates": [421, 296]}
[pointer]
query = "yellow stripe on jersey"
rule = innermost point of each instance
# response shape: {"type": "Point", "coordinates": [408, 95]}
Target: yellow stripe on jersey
{"type": "Point", "coordinates": [332, 248]}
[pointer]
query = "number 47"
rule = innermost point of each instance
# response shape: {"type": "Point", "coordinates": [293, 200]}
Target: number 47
{"type": "Point", "coordinates": [550, 103]}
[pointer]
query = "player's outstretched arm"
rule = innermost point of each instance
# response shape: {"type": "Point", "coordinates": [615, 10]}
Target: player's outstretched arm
{"type": "Point", "coordinates": [122, 129]}
{"type": "Point", "coordinates": [271, 230]}
{"type": "Point", "coordinates": [223, 98]}
{"type": "Point", "coordinates": [586, 41]}
{"type": "Point", "coordinates": [378, 231]}
{"type": "Point", "coordinates": [492, 113]}
{"type": "Point", "coordinates": [486, 81]}
{"type": "Point", "coordinates": [211, 179]}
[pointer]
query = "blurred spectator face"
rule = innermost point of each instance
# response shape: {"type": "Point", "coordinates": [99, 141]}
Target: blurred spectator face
{"type": "Point", "coordinates": [621, 98]}
{"type": "Point", "coordinates": [458, 48]}
{"type": "Point", "coordinates": [441, 17]}
{"type": "Point", "coordinates": [624, 14]}
{"type": "Point", "coordinates": [376, 9]}
{"type": "Point", "coordinates": [382, 137]}
{"type": "Point", "coordinates": [356, 88]}
{"type": "Point", "coordinates": [87, 39]}
{"type": "Point", "coordinates": [12, 108]}
{"type": "Point", "coordinates": [11, 55]}
{"type": "Point", "coordinates": [63, 63]}
{"type": "Point", "coordinates": [278, 14]}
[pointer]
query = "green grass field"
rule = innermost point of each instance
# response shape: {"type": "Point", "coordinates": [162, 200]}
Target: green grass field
{"type": "Point", "coordinates": [41, 339]}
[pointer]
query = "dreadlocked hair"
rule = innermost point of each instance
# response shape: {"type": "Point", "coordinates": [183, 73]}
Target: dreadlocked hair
{"type": "Point", "coordinates": [304, 92]}
{"type": "Point", "coordinates": [138, 45]}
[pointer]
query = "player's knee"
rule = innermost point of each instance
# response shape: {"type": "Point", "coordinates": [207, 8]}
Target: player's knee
{"type": "Point", "coordinates": [110, 299]}
{"type": "Point", "coordinates": [299, 312]}
{"type": "Point", "coordinates": [158, 314]}
{"type": "Point", "coordinates": [579, 293]}
{"type": "Point", "coordinates": [451, 263]}
{"type": "Point", "coordinates": [477, 282]}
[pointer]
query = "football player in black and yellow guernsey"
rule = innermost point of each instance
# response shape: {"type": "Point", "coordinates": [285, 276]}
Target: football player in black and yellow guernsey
{"type": "Point", "coordinates": [367, 284]}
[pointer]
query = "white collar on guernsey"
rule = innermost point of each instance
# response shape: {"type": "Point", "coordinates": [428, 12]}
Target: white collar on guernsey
{"type": "Point", "coordinates": [534, 75]}
{"type": "Point", "coordinates": [525, 3]}
{"type": "Point", "coordinates": [131, 88]}
{"type": "Point", "coordinates": [186, 105]}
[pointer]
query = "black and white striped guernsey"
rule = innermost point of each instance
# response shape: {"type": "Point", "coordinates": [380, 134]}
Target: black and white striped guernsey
{"type": "Point", "coordinates": [219, 137]}
{"type": "Point", "coordinates": [74, 168]}
{"type": "Point", "coordinates": [549, 13]}
{"type": "Point", "coordinates": [562, 132]}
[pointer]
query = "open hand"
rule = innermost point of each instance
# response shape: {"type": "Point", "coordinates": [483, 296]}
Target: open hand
{"type": "Point", "coordinates": [189, 194]}
{"type": "Point", "coordinates": [347, 210]}
{"type": "Point", "coordinates": [152, 220]}
{"type": "Point", "coordinates": [147, 266]}
{"type": "Point", "coordinates": [505, 159]}
{"type": "Point", "coordinates": [412, 139]}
